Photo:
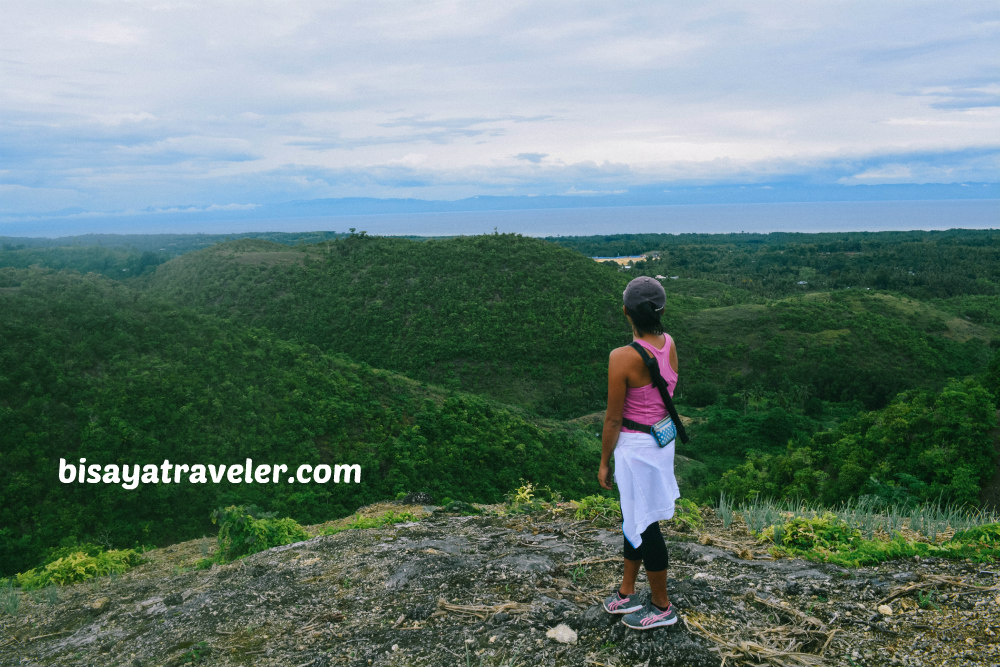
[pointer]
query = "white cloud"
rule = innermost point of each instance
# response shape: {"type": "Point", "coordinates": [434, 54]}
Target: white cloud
{"type": "Point", "coordinates": [892, 173]}
{"type": "Point", "coordinates": [122, 102]}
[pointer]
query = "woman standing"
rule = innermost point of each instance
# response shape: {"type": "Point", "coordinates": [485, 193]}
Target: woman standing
{"type": "Point", "coordinates": [644, 471]}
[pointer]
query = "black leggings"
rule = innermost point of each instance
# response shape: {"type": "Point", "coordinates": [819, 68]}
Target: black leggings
{"type": "Point", "coordinates": [653, 550]}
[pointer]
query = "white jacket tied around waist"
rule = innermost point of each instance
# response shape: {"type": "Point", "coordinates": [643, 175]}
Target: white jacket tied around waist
{"type": "Point", "coordinates": [644, 472]}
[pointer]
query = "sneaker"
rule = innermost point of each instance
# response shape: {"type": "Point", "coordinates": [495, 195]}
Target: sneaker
{"type": "Point", "coordinates": [616, 604]}
{"type": "Point", "coordinates": [650, 617]}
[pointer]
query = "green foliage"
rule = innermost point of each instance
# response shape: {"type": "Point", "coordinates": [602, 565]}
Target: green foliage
{"type": "Point", "coordinates": [117, 263]}
{"type": "Point", "coordinates": [365, 522]}
{"type": "Point", "coordinates": [246, 530]}
{"type": "Point", "coordinates": [599, 509]}
{"type": "Point", "coordinates": [79, 566]}
{"type": "Point", "coordinates": [992, 377]}
{"type": "Point", "coordinates": [252, 349]}
{"type": "Point", "coordinates": [742, 316]}
{"type": "Point", "coordinates": [845, 535]}
{"type": "Point", "coordinates": [522, 495]}
{"type": "Point", "coordinates": [861, 552]}
{"type": "Point", "coordinates": [925, 599]}
{"type": "Point", "coordinates": [725, 511]}
{"type": "Point", "coordinates": [196, 654]}
{"type": "Point", "coordinates": [529, 498]}
{"type": "Point", "coordinates": [987, 534]}
{"type": "Point", "coordinates": [126, 256]}
{"type": "Point", "coordinates": [93, 369]}
{"type": "Point", "coordinates": [687, 516]}
{"type": "Point", "coordinates": [813, 534]}
{"type": "Point", "coordinates": [460, 507]}
{"type": "Point", "coordinates": [796, 348]}
{"type": "Point", "coordinates": [924, 446]}
{"type": "Point", "coordinates": [487, 314]}
{"type": "Point", "coordinates": [919, 264]}
{"type": "Point", "coordinates": [70, 546]}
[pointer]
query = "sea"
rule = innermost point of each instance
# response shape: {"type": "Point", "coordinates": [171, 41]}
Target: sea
{"type": "Point", "coordinates": [685, 219]}
{"type": "Point", "coordinates": [838, 216]}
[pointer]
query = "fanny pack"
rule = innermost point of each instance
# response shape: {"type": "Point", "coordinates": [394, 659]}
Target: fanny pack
{"type": "Point", "coordinates": [669, 427]}
{"type": "Point", "coordinates": [664, 430]}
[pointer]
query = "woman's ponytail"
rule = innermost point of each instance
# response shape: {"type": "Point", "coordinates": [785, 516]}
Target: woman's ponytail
{"type": "Point", "coordinates": [646, 318]}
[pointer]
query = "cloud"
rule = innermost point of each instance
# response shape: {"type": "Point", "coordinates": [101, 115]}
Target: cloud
{"type": "Point", "coordinates": [975, 165]}
{"type": "Point", "coordinates": [124, 106]}
{"type": "Point", "coordinates": [965, 96]}
{"type": "Point", "coordinates": [890, 173]}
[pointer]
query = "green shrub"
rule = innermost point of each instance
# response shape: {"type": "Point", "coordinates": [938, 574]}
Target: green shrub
{"type": "Point", "coordinates": [460, 507]}
{"type": "Point", "coordinates": [244, 530]}
{"type": "Point", "coordinates": [365, 522]}
{"type": "Point", "coordinates": [988, 534]}
{"type": "Point", "coordinates": [823, 532]}
{"type": "Point", "coordinates": [71, 546]}
{"type": "Point", "coordinates": [196, 654]}
{"type": "Point", "coordinates": [528, 498]}
{"type": "Point", "coordinates": [830, 539]}
{"type": "Point", "coordinates": [598, 509]}
{"type": "Point", "coordinates": [79, 566]}
{"type": "Point", "coordinates": [687, 516]}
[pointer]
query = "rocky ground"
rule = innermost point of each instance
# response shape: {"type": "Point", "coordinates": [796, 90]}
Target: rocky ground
{"type": "Point", "coordinates": [506, 589]}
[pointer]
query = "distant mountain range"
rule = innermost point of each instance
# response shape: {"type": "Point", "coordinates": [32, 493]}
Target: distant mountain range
{"type": "Point", "coordinates": [658, 195]}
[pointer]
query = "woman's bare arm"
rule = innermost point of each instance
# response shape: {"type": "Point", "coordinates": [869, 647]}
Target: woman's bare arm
{"type": "Point", "coordinates": [617, 383]}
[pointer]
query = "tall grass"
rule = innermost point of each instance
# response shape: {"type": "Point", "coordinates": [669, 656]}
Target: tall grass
{"type": "Point", "coordinates": [9, 598]}
{"type": "Point", "coordinates": [866, 514]}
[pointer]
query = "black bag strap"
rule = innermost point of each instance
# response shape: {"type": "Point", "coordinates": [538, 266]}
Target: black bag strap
{"type": "Point", "coordinates": [661, 384]}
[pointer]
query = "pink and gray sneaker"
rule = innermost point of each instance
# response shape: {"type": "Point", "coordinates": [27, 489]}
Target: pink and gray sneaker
{"type": "Point", "coordinates": [650, 616]}
{"type": "Point", "coordinates": [616, 604]}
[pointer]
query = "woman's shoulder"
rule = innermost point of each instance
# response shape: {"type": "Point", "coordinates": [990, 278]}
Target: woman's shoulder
{"type": "Point", "coordinates": [621, 351]}
{"type": "Point", "coordinates": [625, 354]}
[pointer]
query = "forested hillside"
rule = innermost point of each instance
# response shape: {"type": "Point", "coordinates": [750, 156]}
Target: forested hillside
{"type": "Point", "coordinates": [820, 366]}
{"type": "Point", "coordinates": [840, 346]}
{"type": "Point", "coordinates": [514, 318]}
{"type": "Point", "coordinates": [939, 264]}
{"type": "Point", "coordinates": [93, 369]}
{"type": "Point", "coordinates": [832, 366]}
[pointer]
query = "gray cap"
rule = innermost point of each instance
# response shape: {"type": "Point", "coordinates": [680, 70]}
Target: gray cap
{"type": "Point", "coordinates": [644, 289]}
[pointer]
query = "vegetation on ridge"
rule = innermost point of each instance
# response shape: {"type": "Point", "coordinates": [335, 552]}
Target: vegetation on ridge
{"type": "Point", "coordinates": [509, 317]}
{"type": "Point", "coordinates": [91, 369]}
{"type": "Point", "coordinates": [251, 349]}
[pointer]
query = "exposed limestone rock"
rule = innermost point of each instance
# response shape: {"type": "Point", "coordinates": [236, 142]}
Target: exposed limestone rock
{"type": "Point", "coordinates": [562, 633]}
{"type": "Point", "coordinates": [496, 590]}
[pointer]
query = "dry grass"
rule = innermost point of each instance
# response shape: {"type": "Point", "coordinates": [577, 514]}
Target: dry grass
{"type": "Point", "coordinates": [793, 640]}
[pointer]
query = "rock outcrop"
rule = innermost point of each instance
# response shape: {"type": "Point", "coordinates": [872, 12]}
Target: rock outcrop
{"type": "Point", "coordinates": [505, 589]}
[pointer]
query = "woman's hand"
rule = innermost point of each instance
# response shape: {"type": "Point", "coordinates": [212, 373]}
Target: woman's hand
{"type": "Point", "coordinates": [605, 476]}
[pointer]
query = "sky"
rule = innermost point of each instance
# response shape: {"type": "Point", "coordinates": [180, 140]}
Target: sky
{"type": "Point", "coordinates": [114, 107]}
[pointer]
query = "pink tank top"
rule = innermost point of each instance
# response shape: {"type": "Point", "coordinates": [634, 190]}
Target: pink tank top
{"type": "Point", "coordinates": [644, 404]}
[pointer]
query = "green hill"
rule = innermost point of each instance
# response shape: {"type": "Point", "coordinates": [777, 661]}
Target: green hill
{"type": "Point", "coordinates": [531, 324]}
{"type": "Point", "coordinates": [408, 357]}
{"type": "Point", "coordinates": [91, 369]}
{"type": "Point", "coordinates": [517, 319]}
{"type": "Point", "coordinates": [839, 346]}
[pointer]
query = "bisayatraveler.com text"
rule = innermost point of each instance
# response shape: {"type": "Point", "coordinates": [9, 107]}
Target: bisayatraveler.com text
{"type": "Point", "coordinates": [130, 476]}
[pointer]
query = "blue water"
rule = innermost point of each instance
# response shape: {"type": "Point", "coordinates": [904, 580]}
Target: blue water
{"type": "Point", "coordinates": [701, 218]}
{"type": "Point", "coordinates": [672, 219]}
